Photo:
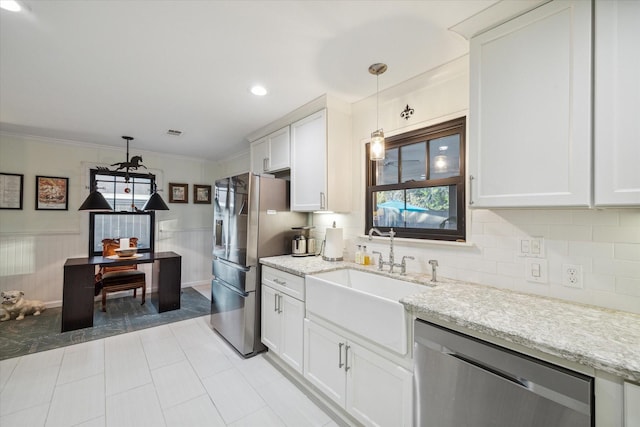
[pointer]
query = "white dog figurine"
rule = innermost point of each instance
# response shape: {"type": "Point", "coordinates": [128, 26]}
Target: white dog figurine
{"type": "Point", "coordinates": [14, 303]}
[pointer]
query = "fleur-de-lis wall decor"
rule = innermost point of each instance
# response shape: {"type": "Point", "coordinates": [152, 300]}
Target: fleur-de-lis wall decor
{"type": "Point", "coordinates": [408, 112]}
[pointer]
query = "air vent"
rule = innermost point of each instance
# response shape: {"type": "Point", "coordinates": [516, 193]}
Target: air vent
{"type": "Point", "coordinates": [174, 132]}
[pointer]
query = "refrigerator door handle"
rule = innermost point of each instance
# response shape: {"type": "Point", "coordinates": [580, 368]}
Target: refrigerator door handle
{"type": "Point", "coordinates": [233, 265]}
{"type": "Point", "coordinates": [231, 288]}
{"type": "Point", "coordinates": [219, 226]}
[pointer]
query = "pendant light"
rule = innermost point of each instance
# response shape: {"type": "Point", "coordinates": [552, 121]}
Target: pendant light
{"type": "Point", "coordinates": [155, 202]}
{"type": "Point", "coordinates": [376, 149]}
{"type": "Point", "coordinates": [95, 202]}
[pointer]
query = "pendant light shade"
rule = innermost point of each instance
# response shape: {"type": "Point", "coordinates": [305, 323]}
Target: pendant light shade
{"type": "Point", "coordinates": [155, 203]}
{"type": "Point", "coordinates": [95, 202]}
{"type": "Point", "coordinates": [377, 145]}
{"type": "Point", "coordinates": [377, 148]}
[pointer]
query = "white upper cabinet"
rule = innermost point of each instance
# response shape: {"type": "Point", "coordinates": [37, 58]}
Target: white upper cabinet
{"type": "Point", "coordinates": [271, 153]}
{"type": "Point", "coordinates": [309, 172]}
{"type": "Point", "coordinates": [259, 155]}
{"type": "Point", "coordinates": [530, 110]}
{"type": "Point", "coordinates": [617, 103]}
{"type": "Point", "coordinates": [279, 158]}
{"type": "Point", "coordinates": [321, 162]}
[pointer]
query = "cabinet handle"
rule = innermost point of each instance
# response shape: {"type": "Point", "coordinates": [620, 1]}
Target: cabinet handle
{"type": "Point", "coordinates": [340, 364]}
{"type": "Point", "coordinates": [471, 178]}
{"type": "Point", "coordinates": [346, 358]}
{"type": "Point", "coordinates": [280, 282]}
{"type": "Point", "coordinates": [279, 303]}
{"type": "Point", "coordinates": [323, 201]}
{"type": "Point", "coordinates": [265, 164]}
{"type": "Point", "coordinates": [275, 302]}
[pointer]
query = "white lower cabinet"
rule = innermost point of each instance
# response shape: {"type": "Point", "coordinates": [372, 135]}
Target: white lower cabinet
{"type": "Point", "coordinates": [631, 405]}
{"type": "Point", "coordinates": [282, 321]}
{"type": "Point", "coordinates": [374, 390]}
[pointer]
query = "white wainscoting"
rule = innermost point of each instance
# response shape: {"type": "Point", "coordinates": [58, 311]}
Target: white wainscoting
{"type": "Point", "coordinates": [33, 263]}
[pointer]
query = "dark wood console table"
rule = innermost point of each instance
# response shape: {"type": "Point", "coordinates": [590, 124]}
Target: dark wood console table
{"type": "Point", "coordinates": [78, 290]}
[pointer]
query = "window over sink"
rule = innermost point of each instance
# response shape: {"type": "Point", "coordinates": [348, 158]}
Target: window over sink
{"type": "Point", "coordinates": [419, 188]}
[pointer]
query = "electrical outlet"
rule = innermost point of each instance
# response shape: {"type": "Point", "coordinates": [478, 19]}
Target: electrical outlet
{"type": "Point", "coordinates": [572, 276]}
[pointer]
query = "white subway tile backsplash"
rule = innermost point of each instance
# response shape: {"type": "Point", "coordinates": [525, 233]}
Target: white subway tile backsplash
{"type": "Point", "coordinates": [511, 269]}
{"type": "Point", "coordinates": [556, 248]}
{"type": "Point", "coordinates": [629, 269]}
{"type": "Point", "coordinates": [602, 282]}
{"type": "Point", "coordinates": [627, 251]}
{"type": "Point", "coordinates": [570, 232]}
{"type": "Point", "coordinates": [616, 234]}
{"type": "Point", "coordinates": [483, 215]}
{"type": "Point", "coordinates": [536, 216]}
{"type": "Point", "coordinates": [630, 218]}
{"type": "Point", "coordinates": [498, 229]}
{"type": "Point", "coordinates": [604, 266]}
{"type": "Point", "coordinates": [628, 286]}
{"type": "Point", "coordinates": [590, 249]}
{"type": "Point", "coordinates": [499, 254]}
{"type": "Point", "coordinates": [595, 217]}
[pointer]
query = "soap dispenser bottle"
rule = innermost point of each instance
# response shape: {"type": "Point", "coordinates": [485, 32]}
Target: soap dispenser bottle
{"type": "Point", "coordinates": [365, 256]}
{"type": "Point", "coordinates": [359, 255]}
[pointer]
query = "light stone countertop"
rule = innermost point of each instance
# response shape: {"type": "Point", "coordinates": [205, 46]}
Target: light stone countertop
{"type": "Point", "coordinates": [600, 338]}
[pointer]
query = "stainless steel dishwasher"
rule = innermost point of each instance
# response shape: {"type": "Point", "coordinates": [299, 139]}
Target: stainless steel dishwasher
{"type": "Point", "coordinates": [460, 381]}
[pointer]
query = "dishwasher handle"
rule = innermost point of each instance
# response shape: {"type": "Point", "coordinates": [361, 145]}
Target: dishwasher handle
{"type": "Point", "coordinates": [501, 374]}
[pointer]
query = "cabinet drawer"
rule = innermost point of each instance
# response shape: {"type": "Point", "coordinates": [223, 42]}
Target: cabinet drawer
{"type": "Point", "coordinates": [286, 283]}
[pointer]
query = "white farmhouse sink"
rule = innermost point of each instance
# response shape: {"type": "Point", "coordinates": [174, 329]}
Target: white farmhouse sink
{"type": "Point", "coordinates": [364, 303]}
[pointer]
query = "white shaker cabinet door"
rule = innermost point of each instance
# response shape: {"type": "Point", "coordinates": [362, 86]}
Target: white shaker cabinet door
{"type": "Point", "coordinates": [279, 150]}
{"type": "Point", "coordinates": [260, 156]}
{"type": "Point", "coordinates": [324, 361]}
{"type": "Point", "coordinates": [292, 333]}
{"type": "Point", "coordinates": [271, 322]}
{"type": "Point", "coordinates": [379, 392]}
{"type": "Point", "coordinates": [617, 103]}
{"type": "Point", "coordinates": [530, 110]}
{"type": "Point", "coordinates": [309, 163]}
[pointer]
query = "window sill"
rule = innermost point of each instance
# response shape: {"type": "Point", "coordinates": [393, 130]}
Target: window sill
{"type": "Point", "coordinates": [420, 242]}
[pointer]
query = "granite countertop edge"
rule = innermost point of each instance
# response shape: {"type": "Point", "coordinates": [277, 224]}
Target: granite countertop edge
{"type": "Point", "coordinates": [519, 318]}
{"type": "Point", "coordinates": [566, 354]}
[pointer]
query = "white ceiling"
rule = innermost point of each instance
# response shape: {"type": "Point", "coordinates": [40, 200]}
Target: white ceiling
{"type": "Point", "coordinates": [91, 70]}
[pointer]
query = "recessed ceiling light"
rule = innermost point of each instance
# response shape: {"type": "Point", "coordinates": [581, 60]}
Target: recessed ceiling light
{"type": "Point", "coordinates": [258, 90]}
{"type": "Point", "coordinates": [10, 5]}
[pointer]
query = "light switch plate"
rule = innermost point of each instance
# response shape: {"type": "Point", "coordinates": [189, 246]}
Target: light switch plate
{"type": "Point", "coordinates": [536, 270]}
{"type": "Point", "coordinates": [531, 247]}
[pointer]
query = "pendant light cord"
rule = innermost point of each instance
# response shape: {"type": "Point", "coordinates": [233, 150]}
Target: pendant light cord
{"type": "Point", "coordinates": [377, 101]}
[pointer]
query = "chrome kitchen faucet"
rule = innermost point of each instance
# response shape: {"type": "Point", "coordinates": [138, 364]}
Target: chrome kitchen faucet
{"type": "Point", "coordinates": [381, 262]}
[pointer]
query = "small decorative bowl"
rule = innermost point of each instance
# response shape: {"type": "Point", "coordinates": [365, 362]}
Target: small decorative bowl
{"type": "Point", "coordinates": [126, 252]}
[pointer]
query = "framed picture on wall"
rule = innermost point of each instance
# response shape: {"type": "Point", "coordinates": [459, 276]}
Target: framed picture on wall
{"type": "Point", "coordinates": [11, 185]}
{"type": "Point", "coordinates": [202, 194]}
{"type": "Point", "coordinates": [178, 193]}
{"type": "Point", "coordinates": [52, 193]}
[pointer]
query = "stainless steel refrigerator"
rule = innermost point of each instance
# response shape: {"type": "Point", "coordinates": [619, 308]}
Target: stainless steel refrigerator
{"type": "Point", "coordinates": [251, 221]}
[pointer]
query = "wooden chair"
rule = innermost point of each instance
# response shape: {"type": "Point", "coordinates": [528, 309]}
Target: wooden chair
{"type": "Point", "coordinates": [123, 277]}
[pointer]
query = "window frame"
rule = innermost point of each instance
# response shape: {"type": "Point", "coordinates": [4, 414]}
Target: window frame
{"type": "Point", "coordinates": [152, 228]}
{"type": "Point", "coordinates": [92, 215]}
{"type": "Point", "coordinates": [448, 128]}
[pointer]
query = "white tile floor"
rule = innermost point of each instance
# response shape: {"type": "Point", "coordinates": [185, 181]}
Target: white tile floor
{"type": "Point", "coordinates": [181, 374]}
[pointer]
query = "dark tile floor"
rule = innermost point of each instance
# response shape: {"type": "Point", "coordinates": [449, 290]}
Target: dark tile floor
{"type": "Point", "coordinates": [40, 333]}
